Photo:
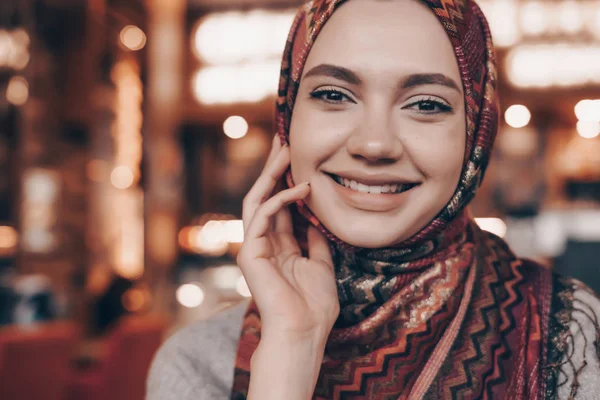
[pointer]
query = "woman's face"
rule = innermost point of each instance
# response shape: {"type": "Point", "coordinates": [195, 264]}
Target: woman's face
{"type": "Point", "coordinates": [378, 126]}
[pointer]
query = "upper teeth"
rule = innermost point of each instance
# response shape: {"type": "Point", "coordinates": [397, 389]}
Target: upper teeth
{"type": "Point", "coordinates": [361, 187]}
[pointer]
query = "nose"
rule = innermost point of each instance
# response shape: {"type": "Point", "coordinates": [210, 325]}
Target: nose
{"type": "Point", "coordinates": [376, 140]}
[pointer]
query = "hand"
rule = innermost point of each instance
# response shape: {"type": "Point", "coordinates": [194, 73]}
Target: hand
{"type": "Point", "coordinates": [296, 296]}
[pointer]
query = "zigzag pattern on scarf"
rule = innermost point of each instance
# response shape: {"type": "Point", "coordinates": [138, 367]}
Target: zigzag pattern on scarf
{"type": "Point", "coordinates": [482, 345]}
{"type": "Point", "coordinates": [384, 371]}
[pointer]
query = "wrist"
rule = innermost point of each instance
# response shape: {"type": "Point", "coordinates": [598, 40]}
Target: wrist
{"type": "Point", "coordinates": [287, 352]}
{"type": "Point", "coordinates": [314, 339]}
{"type": "Point", "coordinates": [285, 367]}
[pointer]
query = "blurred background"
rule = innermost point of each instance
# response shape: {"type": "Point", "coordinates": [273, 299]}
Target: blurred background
{"type": "Point", "coordinates": [130, 131]}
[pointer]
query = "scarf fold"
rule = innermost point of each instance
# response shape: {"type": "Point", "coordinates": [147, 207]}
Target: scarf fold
{"type": "Point", "coordinates": [449, 313]}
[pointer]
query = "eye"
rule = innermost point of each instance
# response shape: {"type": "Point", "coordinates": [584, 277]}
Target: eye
{"type": "Point", "coordinates": [331, 95]}
{"type": "Point", "coordinates": [429, 105]}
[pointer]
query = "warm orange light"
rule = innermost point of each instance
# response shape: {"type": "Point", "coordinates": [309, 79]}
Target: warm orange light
{"type": "Point", "coordinates": [235, 127]}
{"type": "Point", "coordinates": [235, 231]}
{"type": "Point", "coordinates": [96, 170]}
{"type": "Point", "coordinates": [588, 110]}
{"type": "Point", "coordinates": [543, 65]}
{"type": "Point", "coordinates": [534, 17]}
{"type": "Point", "coordinates": [121, 177]}
{"type": "Point", "coordinates": [8, 237]}
{"type": "Point", "coordinates": [134, 299]}
{"type": "Point", "coordinates": [570, 17]}
{"type": "Point", "coordinates": [14, 49]}
{"type": "Point", "coordinates": [127, 125]}
{"type": "Point", "coordinates": [517, 116]}
{"type": "Point", "coordinates": [190, 295]}
{"type": "Point", "coordinates": [235, 37]}
{"type": "Point", "coordinates": [210, 239]}
{"type": "Point", "coordinates": [493, 225]}
{"type": "Point", "coordinates": [133, 37]}
{"type": "Point", "coordinates": [588, 129]}
{"type": "Point", "coordinates": [184, 237]}
{"type": "Point", "coordinates": [239, 83]}
{"type": "Point", "coordinates": [17, 91]}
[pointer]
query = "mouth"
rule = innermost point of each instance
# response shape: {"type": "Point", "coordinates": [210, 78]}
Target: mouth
{"type": "Point", "coordinates": [387, 188]}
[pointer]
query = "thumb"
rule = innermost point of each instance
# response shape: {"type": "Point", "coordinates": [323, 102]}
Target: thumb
{"type": "Point", "coordinates": [318, 248]}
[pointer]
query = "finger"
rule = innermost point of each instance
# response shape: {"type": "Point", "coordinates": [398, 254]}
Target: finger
{"type": "Point", "coordinates": [318, 247]}
{"type": "Point", "coordinates": [275, 148]}
{"type": "Point", "coordinates": [264, 185]}
{"type": "Point", "coordinates": [283, 221]}
{"type": "Point", "coordinates": [260, 275]}
{"type": "Point", "coordinates": [260, 223]}
{"type": "Point", "coordinates": [280, 184]}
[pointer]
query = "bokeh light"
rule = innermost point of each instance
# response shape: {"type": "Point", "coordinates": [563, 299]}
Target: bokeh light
{"type": "Point", "coordinates": [235, 127]}
{"type": "Point", "coordinates": [17, 91]}
{"type": "Point", "coordinates": [234, 231]}
{"type": "Point", "coordinates": [41, 186]}
{"type": "Point", "coordinates": [210, 239]}
{"type": "Point", "coordinates": [570, 18]}
{"type": "Point", "coordinates": [226, 277]}
{"type": "Point", "coordinates": [190, 295]}
{"type": "Point", "coordinates": [134, 299]}
{"type": "Point", "coordinates": [517, 116]}
{"type": "Point", "coordinates": [543, 65]}
{"type": "Point", "coordinates": [588, 110]}
{"type": "Point", "coordinates": [229, 84]}
{"type": "Point", "coordinates": [503, 22]}
{"type": "Point", "coordinates": [14, 49]}
{"type": "Point", "coordinates": [133, 37]}
{"type": "Point", "coordinates": [232, 37]}
{"type": "Point", "coordinates": [493, 225]}
{"type": "Point", "coordinates": [533, 17]}
{"type": "Point", "coordinates": [121, 177]}
{"type": "Point", "coordinates": [8, 237]}
{"type": "Point", "coordinates": [588, 129]}
{"type": "Point", "coordinates": [595, 24]}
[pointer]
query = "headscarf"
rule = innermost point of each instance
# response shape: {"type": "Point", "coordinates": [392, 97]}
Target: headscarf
{"type": "Point", "coordinates": [413, 323]}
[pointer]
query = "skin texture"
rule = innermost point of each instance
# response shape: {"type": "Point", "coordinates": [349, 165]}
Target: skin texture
{"type": "Point", "coordinates": [379, 122]}
{"type": "Point", "coordinates": [378, 129]}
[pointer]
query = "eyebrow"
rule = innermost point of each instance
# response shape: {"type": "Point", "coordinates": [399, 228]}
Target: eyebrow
{"type": "Point", "coordinates": [334, 71]}
{"type": "Point", "coordinates": [429, 79]}
{"type": "Point", "coordinates": [414, 80]}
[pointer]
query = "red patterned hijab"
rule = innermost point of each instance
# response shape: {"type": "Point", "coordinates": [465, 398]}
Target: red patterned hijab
{"type": "Point", "coordinates": [450, 313]}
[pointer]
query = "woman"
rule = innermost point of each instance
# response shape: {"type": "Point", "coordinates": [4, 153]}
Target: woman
{"type": "Point", "coordinates": [369, 279]}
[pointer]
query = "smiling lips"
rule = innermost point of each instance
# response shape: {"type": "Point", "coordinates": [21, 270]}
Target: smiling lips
{"type": "Point", "coordinates": [372, 193]}
{"type": "Point", "coordinates": [388, 188]}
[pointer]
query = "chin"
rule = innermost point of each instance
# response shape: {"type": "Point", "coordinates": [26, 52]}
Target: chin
{"type": "Point", "coordinates": [370, 239]}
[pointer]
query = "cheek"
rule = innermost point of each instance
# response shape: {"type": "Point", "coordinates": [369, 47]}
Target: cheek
{"type": "Point", "coordinates": [304, 149]}
{"type": "Point", "coordinates": [314, 139]}
{"type": "Point", "coordinates": [439, 153]}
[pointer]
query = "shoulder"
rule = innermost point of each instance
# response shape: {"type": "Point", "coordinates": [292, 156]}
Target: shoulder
{"type": "Point", "coordinates": [574, 338]}
{"type": "Point", "coordinates": [197, 362]}
{"type": "Point", "coordinates": [574, 301]}
{"type": "Point", "coordinates": [572, 366]}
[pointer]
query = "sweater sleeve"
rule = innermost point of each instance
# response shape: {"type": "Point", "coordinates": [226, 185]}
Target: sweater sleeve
{"type": "Point", "coordinates": [197, 362]}
{"type": "Point", "coordinates": [580, 377]}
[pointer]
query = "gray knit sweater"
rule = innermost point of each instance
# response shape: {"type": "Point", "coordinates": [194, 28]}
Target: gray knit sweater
{"type": "Point", "coordinates": [197, 363]}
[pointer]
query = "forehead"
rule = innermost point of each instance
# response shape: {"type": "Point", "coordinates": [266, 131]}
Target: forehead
{"type": "Point", "coordinates": [385, 35]}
